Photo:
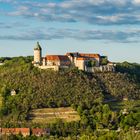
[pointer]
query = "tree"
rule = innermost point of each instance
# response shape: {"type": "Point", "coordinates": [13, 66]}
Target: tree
{"type": "Point", "coordinates": [104, 61]}
{"type": "Point", "coordinates": [91, 63]}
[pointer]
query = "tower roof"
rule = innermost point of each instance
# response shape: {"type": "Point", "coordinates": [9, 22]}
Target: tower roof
{"type": "Point", "coordinates": [37, 47]}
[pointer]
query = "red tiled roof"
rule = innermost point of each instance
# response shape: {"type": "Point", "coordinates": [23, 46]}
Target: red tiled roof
{"type": "Point", "coordinates": [90, 55]}
{"type": "Point", "coordinates": [8, 130]}
{"type": "Point", "coordinates": [40, 131]}
{"type": "Point", "coordinates": [37, 130]}
{"type": "Point", "coordinates": [15, 130]}
{"type": "Point", "coordinates": [57, 57]}
{"type": "Point", "coordinates": [23, 130]}
{"type": "Point", "coordinates": [81, 58]}
{"type": "Point", "coordinates": [84, 54]}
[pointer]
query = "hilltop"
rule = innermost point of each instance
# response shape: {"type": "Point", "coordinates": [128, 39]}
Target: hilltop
{"type": "Point", "coordinates": [90, 94]}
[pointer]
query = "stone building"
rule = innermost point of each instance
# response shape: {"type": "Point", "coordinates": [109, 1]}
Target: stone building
{"type": "Point", "coordinates": [83, 61]}
{"type": "Point", "coordinates": [13, 92]}
{"type": "Point", "coordinates": [1, 63]}
{"type": "Point", "coordinates": [15, 131]}
{"type": "Point", "coordinates": [40, 132]}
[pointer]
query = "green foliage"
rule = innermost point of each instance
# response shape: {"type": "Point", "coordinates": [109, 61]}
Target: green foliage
{"type": "Point", "coordinates": [2, 59]}
{"type": "Point", "coordinates": [104, 61]}
{"type": "Point", "coordinates": [86, 93]}
{"type": "Point", "coordinates": [91, 63]}
{"type": "Point", "coordinates": [131, 68]}
{"type": "Point", "coordinates": [119, 85]}
{"type": "Point", "coordinates": [43, 88]}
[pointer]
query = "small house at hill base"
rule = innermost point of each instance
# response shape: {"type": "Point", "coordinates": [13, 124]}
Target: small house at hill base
{"type": "Point", "coordinates": [24, 131]}
{"type": "Point", "coordinates": [15, 131]}
{"type": "Point", "coordinates": [40, 132]}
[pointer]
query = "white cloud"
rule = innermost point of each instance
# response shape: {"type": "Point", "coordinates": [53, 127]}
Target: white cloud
{"type": "Point", "coordinates": [103, 12]}
{"type": "Point", "coordinates": [137, 1]}
{"type": "Point", "coordinates": [125, 36]}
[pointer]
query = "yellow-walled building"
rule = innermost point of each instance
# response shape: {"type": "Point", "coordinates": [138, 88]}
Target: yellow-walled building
{"type": "Point", "coordinates": [83, 61]}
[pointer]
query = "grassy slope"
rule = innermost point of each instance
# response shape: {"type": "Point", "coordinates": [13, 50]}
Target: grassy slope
{"type": "Point", "coordinates": [50, 115]}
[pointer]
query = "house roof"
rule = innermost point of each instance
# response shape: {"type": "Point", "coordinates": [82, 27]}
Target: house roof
{"type": "Point", "coordinates": [8, 130]}
{"type": "Point", "coordinates": [15, 130]}
{"type": "Point", "coordinates": [89, 55]}
{"type": "Point", "coordinates": [73, 54]}
{"type": "Point", "coordinates": [76, 54]}
{"type": "Point", "coordinates": [57, 57]}
{"type": "Point", "coordinates": [81, 58]}
{"type": "Point", "coordinates": [23, 130]}
{"type": "Point", "coordinates": [38, 130]}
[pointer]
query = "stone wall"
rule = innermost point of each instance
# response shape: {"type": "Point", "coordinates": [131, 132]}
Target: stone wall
{"type": "Point", "coordinates": [53, 67]}
{"type": "Point", "coordinates": [105, 68]}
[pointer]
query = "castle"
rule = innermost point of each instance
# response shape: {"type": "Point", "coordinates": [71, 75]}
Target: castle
{"type": "Point", "coordinates": [83, 61]}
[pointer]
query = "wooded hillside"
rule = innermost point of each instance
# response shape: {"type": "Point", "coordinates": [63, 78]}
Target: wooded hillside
{"type": "Point", "coordinates": [87, 93]}
{"type": "Point", "coordinates": [37, 88]}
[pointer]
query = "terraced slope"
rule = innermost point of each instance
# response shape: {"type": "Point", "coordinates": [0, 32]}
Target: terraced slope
{"type": "Point", "coordinates": [50, 115]}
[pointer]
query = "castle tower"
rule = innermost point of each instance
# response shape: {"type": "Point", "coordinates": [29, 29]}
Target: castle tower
{"type": "Point", "coordinates": [37, 54]}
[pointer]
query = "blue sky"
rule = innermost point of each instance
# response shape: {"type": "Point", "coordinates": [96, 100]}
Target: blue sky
{"type": "Point", "coordinates": [107, 27]}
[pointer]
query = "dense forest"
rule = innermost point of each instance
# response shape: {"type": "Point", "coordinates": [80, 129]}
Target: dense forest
{"type": "Point", "coordinates": [92, 95]}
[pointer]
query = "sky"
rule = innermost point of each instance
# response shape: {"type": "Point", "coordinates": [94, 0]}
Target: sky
{"type": "Point", "coordinates": [107, 27]}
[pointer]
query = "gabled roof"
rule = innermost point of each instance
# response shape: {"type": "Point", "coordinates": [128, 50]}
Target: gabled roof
{"type": "Point", "coordinates": [23, 130]}
{"type": "Point", "coordinates": [8, 130]}
{"type": "Point", "coordinates": [73, 54]}
{"type": "Point", "coordinates": [82, 58]}
{"type": "Point", "coordinates": [89, 55]}
{"type": "Point", "coordinates": [57, 58]}
{"type": "Point", "coordinates": [15, 130]}
{"type": "Point", "coordinates": [38, 131]}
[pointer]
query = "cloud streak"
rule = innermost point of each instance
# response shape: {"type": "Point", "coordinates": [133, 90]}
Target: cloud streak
{"type": "Point", "coordinates": [101, 12]}
{"type": "Point", "coordinates": [12, 25]}
{"type": "Point", "coordinates": [128, 36]}
{"type": "Point", "coordinates": [93, 12]}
